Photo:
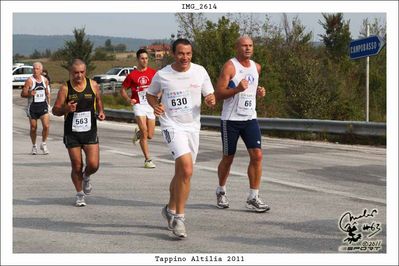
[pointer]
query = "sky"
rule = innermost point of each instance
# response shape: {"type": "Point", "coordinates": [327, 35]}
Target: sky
{"type": "Point", "coordinates": [156, 25]}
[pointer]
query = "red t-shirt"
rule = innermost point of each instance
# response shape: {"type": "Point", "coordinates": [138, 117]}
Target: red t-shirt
{"type": "Point", "coordinates": [139, 81]}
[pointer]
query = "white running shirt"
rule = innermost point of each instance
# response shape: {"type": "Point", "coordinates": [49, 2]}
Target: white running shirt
{"type": "Point", "coordinates": [181, 95]}
{"type": "Point", "coordinates": [242, 106]}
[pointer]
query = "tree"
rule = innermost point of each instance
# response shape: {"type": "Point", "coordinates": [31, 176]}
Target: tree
{"type": "Point", "coordinates": [35, 55]}
{"type": "Point", "coordinates": [108, 45]}
{"type": "Point", "coordinates": [80, 48]}
{"type": "Point", "coordinates": [295, 34]}
{"type": "Point", "coordinates": [189, 24]}
{"type": "Point", "coordinates": [337, 36]}
{"type": "Point", "coordinates": [215, 44]}
{"type": "Point", "coordinates": [375, 28]}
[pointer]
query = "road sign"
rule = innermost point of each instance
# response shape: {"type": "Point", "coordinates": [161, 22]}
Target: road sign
{"type": "Point", "coordinates": [369, 46]}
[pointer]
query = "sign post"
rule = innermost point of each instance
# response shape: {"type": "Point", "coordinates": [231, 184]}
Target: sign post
{"type": "Point", "coordinates": [369, 46]}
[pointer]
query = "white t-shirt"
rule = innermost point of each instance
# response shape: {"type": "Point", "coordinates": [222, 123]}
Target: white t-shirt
{"type": "Point", "coordinates": [181, 95]}
{"type": "Point", "coordinates": [242, 106]}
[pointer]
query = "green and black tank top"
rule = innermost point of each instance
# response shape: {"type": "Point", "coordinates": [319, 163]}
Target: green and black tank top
{"type": "Point", "coordinates": [83, 120]}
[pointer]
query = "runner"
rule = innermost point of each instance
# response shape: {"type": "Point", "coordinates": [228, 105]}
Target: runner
{"type": "Point", "coordinates": [138, 81]}
{"type": "Point", "coordinates": [238, 87]}
{"type": "Point", "coordinates": [36, 89]}
{"type": "Point", "coordinates": [181, 85]}
{"type": "Point", "coordinates": [78, 100]}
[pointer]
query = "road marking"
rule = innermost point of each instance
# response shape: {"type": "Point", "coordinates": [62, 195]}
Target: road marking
{"type": "Point", "coordinates": [289, 184]}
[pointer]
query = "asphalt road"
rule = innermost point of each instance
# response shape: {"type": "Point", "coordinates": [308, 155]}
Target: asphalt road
{"type": "Point", "coordinates": [309, 186]}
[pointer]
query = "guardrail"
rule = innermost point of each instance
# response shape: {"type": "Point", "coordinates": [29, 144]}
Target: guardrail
{"type": "Point", "coordinates": [284, 124]}
{"type": "Point", "coordinates": [110, 86]}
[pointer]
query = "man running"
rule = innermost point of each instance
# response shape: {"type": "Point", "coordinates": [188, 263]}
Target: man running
{"type": "Point", "coordinates": [36, 89]}
{"type": "Point", "coordinates": [78, 100]}
{"type": "Point", "coordinates": [138, 81]}
{"type": "Point", "coordinates": [181, 85]}
{"type": "Point", "coordinates": [238, 87]}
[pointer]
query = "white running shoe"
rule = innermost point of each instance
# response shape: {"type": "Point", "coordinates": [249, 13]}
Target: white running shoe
{"type": "Point", "coordinates": [34, 150]}
{"type": "Point", "coordinates": [221, 200]}
{"type": "Point", "coordinates": [257, 205]}
{"type": "Point", "coordinates": [80, 200]}
{"type": "Point", "coordinates": [136, 135]}
{"type": "Point", "coordinates": [44, 148]}
{"type": "Point", "coordinates": [149, 164]}
{"type": "Point", "coordinates": [168, 216]}
{"type": "Point", "coordinates": [87, 187]}
{"type": "Point", "coordinates": [179, 229]}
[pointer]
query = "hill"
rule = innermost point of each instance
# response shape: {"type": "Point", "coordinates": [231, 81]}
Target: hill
{"type": "Point", "coordinates": [25, 44]}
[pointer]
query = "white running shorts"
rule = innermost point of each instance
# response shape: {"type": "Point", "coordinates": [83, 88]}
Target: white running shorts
{"type": "Point", "coordinates": [181, 142]}
{"type": "Point", "coordinates": [144, 110]}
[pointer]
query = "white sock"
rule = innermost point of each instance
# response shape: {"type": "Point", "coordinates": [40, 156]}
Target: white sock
{"type": "Point", "coordinates": [179, 215]}
{"type": "Point", "coordinates": [253, 193]}
{"type": "Point", "coordinates": [44, 143]}
{"type": "Point", "coordinates": [170, 211]}
{"type": "Point", "coordinates": [80, 193]}
{"type": "Point", "coordinates": [33, 145]}
{"type": "Point", "coordinates": [220, 189]}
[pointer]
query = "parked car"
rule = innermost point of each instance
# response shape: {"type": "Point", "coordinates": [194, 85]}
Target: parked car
{"type": "Point", "coordinates": [20, 73]}
{"type": "Point", "coordinates": [114, 75]}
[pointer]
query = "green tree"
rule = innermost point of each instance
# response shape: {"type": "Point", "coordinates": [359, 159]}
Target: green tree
{"type": "Point", "coordinates": [35, 55]}
{"type": "Point", "coordinates": [215, 45]}
{"type": "Point", "coordinates": [80, 48]}
{"type": "Point", "coordinates": [337, 36]}
{"type": "Point", "coordinates": [108, 45]}
{"type": "Point", "coordinates": [189, 24]}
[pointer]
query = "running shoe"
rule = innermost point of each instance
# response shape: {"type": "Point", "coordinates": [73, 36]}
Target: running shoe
{"type": "Point", "coordinates": [87, 187]}
{"type": "Point", "coordinates": [221, 200]}
{"type": "Point", "coordinates": [44, 148]}
{"type": "Point", "coordinates": [149, 164]}
{"type": "Point", "coordinates": [34, 150]}
{"type": "Point", "coordinates": [257, 205]}
{"type": "Point", "coordinates": [168, 216]}
{"type": "Point", "coordinates": [179, 229]}
{"type": "Point", "coordinates": [136, 135]}
{"type": "Point", "coordinates": [80, 200]}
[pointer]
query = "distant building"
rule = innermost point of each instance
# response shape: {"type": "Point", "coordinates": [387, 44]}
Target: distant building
{"type": "Point", "coordinates": [158, 51]}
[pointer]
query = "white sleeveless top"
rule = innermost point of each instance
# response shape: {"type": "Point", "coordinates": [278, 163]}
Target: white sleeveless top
{"type": "Point", "coordinates": [242, 106]}
{"type": "Point", "coordinates": [40, 88]}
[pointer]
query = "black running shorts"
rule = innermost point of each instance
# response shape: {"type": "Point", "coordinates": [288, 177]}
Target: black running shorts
{"type": "Point", "coordinates": [79, 139]}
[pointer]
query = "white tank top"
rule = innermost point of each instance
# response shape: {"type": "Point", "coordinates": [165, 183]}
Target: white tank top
{"type": "Point", "coordinates": [242, 106]}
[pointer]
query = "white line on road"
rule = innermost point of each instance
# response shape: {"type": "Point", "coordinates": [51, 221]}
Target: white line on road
{"type": "Point", "coordinates": [272, 180]}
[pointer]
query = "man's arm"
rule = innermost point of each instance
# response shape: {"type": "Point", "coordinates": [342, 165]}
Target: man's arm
{"type": "Point", "coordinates": [260, 91]}
{"type": "Point", "coordinates": [126, 96]}
{"type": "Point", "coordinates": [48, 95]}
{"type": "Point", "coordinates": [60, 108]}
{"type": "Point", "coordinates": [99, 101]}
{"type": "Point", "coordinates": [26, 93]}
{"type": "Point", "coordinates": [222, 86]}
{"type": "Point", "coordinates": [153, 101]}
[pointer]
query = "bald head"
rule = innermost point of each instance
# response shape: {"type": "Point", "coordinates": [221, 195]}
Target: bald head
{"type": "Point", "coordinates": [243, 39]}
{"type": "Point", "coordinates": [245, 47]}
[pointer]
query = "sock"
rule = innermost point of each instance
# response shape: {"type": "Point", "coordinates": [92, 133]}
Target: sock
{"type": "Point", "coordinates": [253, 193]}
{"type": "Point", "coordinates": [170, 211]}
{"type": "Point", "coordinates": [80, 193]}
{"type": "Point", "coordinates": [221, 188]}
{"type": "Point", "coordinates": [34, 145]}
{"type": "Point", "coordinates": [179, 215]}
{"type": "Point", "coordinates": [43, 142]}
